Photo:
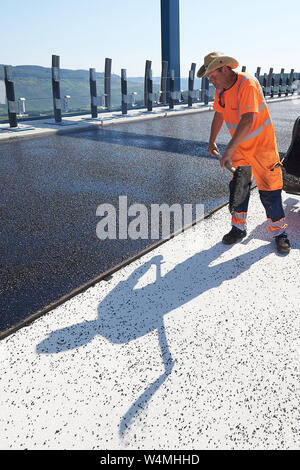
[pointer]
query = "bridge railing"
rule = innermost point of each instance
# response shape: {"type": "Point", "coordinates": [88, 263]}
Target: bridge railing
{"type": "Point", "coordinates": [65, 92]}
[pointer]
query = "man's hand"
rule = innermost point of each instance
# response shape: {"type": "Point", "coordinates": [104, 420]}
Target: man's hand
{"type": "Point", "coordinates": [227, 157]}
{"type": "Point", "coordinates": [211, 148]}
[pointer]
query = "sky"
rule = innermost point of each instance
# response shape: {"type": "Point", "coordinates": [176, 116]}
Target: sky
{"type": "Point", "coordinates": [258, 33]}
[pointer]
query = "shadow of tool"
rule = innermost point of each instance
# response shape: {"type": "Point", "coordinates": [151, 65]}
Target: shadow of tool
{"type": "Point", "coordinates": [142, 400]}
{"type": "Point", "coordinates": [168, 361]}
{"type": "Point", "coordinates": [128, 312]}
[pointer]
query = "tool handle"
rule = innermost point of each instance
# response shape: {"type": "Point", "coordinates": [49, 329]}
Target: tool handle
{"type": "Point", "coordinates": [228, 166]}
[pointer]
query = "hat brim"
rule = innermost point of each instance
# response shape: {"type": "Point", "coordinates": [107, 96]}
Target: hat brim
{"type": "Point", "coordinates": [216, 64]}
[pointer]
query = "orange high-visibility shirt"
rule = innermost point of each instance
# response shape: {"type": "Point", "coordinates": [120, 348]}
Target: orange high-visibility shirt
{"type": "Point", "coordinates": [259, 147]}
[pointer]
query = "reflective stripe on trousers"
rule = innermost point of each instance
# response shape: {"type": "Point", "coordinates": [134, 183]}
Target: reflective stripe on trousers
{"type": "Point", "coordinates": [238, 220]}
{"type": "Point", "coordinates": [278, 227]}
{"type": "Point", "coordinates": [272, 203]}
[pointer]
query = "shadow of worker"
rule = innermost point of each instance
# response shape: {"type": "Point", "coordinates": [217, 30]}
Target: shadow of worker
{"type": "Point", "coordinates": [128, 313]}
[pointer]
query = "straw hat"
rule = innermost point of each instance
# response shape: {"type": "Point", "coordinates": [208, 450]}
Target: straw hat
{"type": "Point", "coordinates": [215, 60]}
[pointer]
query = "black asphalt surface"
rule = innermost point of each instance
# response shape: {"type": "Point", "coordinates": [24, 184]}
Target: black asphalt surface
{"type": "Point", "coordinates": [52, 186]}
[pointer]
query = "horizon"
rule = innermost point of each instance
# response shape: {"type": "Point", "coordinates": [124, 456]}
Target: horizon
{"type": "Point", "coordinates": [286, 71]}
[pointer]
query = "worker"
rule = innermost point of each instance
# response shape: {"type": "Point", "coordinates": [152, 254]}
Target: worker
{"type": "Point", "coordinates": [239, 101]}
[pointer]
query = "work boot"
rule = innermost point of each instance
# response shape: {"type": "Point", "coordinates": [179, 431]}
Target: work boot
{"type": "Point", "coordinates": [235, 235]}
{"type": "Point", "coordinates": [282, 243]}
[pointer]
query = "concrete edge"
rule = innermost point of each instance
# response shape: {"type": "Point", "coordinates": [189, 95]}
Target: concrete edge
{"type": "Point", "coordinates": [79, 126]}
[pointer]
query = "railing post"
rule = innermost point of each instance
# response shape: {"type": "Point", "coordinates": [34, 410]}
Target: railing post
{"type": "Point", "coordinates": [275, 84]}
{"type": "Point", "coordinates": [257, 73]}
{"type": "Point", "coordinates": [172, 89]}
{"type": "Point", "coordinates": [281, 82]}
{"type": "Point", "coordinates": [272, 86]}
{"type": "Point", "coordinates": [124, 90]}
{"type": "Point", "coordinates": [191, 84]}
{"type": "Point", "coordinates": [149, 90]}
{"type": "Point", "coordinates": [269, 82]}
{"type": "Point", "coordinates": [291, 81]}
{"type": "Point", "coordinates": [10, 95]}
{"type": "Point", "coordinates": [206, 90]}
{"type": "Point", "coordinates": [147, 67]}
{"type": "Point", "coordinates": [287, 85]}
{"type": "Point", "coordinates": [56, 87]}
{"type": "Point", "coordinates": [163, 83]}
{"type": "Point", "coordinates": [264, 84]}
{"type": "Point", "coordinates": [93, 90]}
{"type": "Point", "coordinates": [107, 83]}
{"type": "Point", "coordinates": [202, 90]}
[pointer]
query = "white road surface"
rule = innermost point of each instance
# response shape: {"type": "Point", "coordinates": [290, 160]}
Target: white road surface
{"type": "Point", "coordinates": [193, 346]}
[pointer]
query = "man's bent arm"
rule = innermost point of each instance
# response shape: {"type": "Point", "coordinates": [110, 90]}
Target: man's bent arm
{"type": "Point", "coordinates": [241, 132]}
{"type": "Point", "coordinates": [215, 129]}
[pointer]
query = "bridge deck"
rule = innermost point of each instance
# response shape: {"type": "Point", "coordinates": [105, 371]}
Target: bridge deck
{"type": "Point", "coordinates": [193, 345]}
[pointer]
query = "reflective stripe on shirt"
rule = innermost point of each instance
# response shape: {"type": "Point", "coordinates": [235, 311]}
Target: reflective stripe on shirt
{"type": "Point", "coordinates": [254, 133]}
{"type": "Point", "coordinates": [266, 123]}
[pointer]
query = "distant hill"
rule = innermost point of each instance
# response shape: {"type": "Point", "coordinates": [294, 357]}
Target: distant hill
{"type": "Point", "coordinates": [34, 83]}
